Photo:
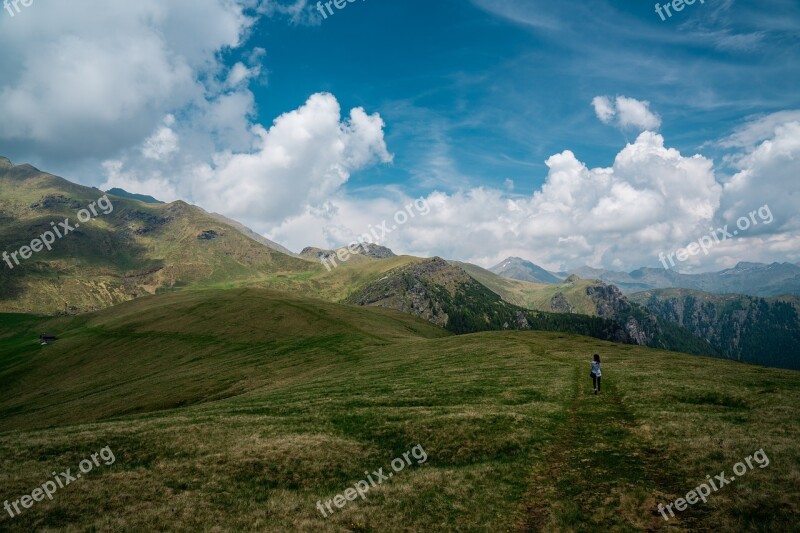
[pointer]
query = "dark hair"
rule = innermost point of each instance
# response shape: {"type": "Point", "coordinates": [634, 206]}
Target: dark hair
{"type": "Point", "coordinates": [597, 357]}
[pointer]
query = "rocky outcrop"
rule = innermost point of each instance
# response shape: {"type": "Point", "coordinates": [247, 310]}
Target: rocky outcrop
{"type": "Point", "coordinates": [208, 235]}
{"type": "Point", "coordinates": [560, 304]}
{"type": "Point", "coordinates": [642, 327]}
{"type": "Point", "coordinates": [376, 251]}
{"type": "Point", "coordinates": [56, 201]}
{"type": "Point", "coordinates": [370, 250]}
{"type": "Point", "coordinates": [418, 289]}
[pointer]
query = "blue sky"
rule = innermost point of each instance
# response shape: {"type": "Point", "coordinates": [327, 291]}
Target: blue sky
{"type": "Point", "coordinates": [501, 88]}
{"type": "Point", "coordinates": [567, 133]}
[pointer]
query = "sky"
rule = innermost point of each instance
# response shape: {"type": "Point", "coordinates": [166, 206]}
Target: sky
{"type": "Point", "coordinates": [596, 133]}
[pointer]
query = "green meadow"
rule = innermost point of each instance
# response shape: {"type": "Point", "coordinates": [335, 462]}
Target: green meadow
{"type": "Point", "coordinates": [240, 409]}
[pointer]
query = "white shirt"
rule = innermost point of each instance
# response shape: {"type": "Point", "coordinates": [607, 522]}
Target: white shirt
{"type": "Point", "coordinates": [596, 369]}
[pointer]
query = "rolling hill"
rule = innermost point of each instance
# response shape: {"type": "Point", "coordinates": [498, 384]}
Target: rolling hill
{"type": "Point", "coordinates": [242, 409]}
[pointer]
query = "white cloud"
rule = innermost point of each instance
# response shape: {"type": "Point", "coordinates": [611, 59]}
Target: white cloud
{"type": "Point", "coordinates": [155, 185]}
{"type": "Point", "coordinates": [96, 64]}
{"type": "Point", "coordinates": [297, 11]}
{"type": "Point", "coordinates": [759, 129]}
{"type": "Point", "coordinates": [768, 175]}
{"type": "Point", "coordinates": [163, 142]}
{"type": "Point", "coordinates": [604, 108]}
{"type": "Point", "coordinates": [240, 74]}
{"type": "Point", "coordinates": [629, 113]}
{"type": "Point", "coordinates": [653, 199]}
{"type": "Point", "coordinates": [305, 157]}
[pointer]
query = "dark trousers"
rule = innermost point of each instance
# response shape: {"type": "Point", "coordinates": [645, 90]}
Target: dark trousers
{"type": "Point", "coordinates": [596, 381]}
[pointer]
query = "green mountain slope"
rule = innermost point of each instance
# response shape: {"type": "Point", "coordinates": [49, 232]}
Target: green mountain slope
{"type": "Point", "coordinates": [745, 328]}
{"type": "Point", "coordinates": [239, 410]}
{"type": "Point", "coordinates": [446, 295]}
{"type": "Point", "coordinates": [596, 299]}
{"type": "Point", "coordinates": [198, 334]}
{"type": "Point", "coordinates": [135, 249]}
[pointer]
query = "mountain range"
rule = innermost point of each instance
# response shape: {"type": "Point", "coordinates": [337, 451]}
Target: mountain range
{"type": "Point", "coordinates": [753, 279]}
{"type": "Point", "coordinates": [142, 247]}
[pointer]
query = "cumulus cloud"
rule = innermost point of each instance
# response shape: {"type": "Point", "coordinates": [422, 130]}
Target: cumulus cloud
{"type": "Point", "coordinates": [96, 64]}
{"type": "Point", "coordinates": [768, 175]}
{"type": "Point", "coordinates": [306, 156]}
{"type": "Point", "coordinates": [162, 143]}
{"type": "Point", "coordinates": [652, 199]}
{"type": "Point", "coordinates": [628, 112]}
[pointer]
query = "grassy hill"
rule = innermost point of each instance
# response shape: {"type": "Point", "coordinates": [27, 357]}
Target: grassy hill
{"type": "Point", "coordinates": [238, 410]}
{"type": "Point", "coordinates": [135, 249]}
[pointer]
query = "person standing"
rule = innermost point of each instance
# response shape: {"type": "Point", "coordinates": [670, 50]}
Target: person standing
{"type": "Point", "coordinates": [596, 373]}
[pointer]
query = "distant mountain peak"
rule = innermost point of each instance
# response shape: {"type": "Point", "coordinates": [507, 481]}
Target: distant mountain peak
{"type": "Point", "coordinates": [122, 193]}
{"type": "Point", "coordinates": [744, 265]}
{"type": "Point", "coordinates": [524, 270]}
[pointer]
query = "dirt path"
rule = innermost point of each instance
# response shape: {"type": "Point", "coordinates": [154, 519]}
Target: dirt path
{"type": "Point", "coordinates": [600, 475]}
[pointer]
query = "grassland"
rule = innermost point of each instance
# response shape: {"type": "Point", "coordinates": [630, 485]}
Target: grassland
{"type": "Point", "coordinates": [237, 410]}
